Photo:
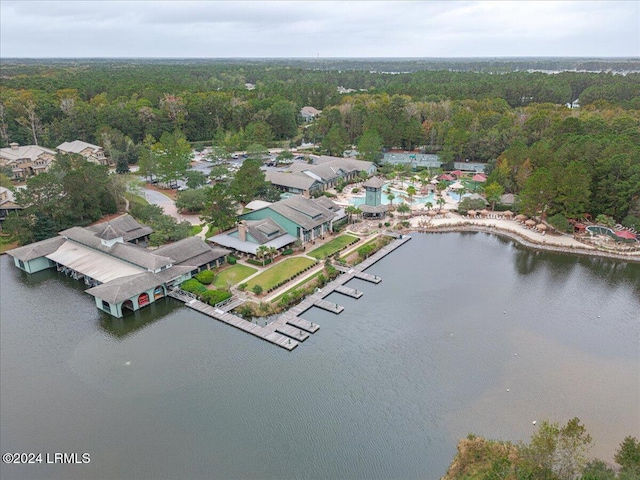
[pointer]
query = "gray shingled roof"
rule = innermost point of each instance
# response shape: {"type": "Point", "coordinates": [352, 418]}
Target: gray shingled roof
{"type": "Point", "coordinates": [371, 209]}
{"type": "Point", "coordinates": [77, 146]}
{"type": "Point", "coordinates": [110, 233]}
{"type": "Point", "coordinates": [374, 182]}
{"type": "Point", "coordinates": [124, 251]}
{"type": "Point", "coordinates": [122, 288]}
{"type": "Point", "coordinates": [191, 251]}
{"type": "Point", "coordinates": [327, 203]}
{"type": "Point", "coordinates": [264, 230]}
{"type": "Point", "coordinates": [37, 249]}
{"type": "Point", "coordinates": [126, 223]}
{"type": "Point", "coordinates": [303, 211]}
{"type": "Point", "coordinates": [290, 180]}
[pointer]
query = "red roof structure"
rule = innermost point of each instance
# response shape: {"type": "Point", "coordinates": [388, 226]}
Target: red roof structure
{"type": "Point", "coordinates": [447, 177]}
{"type": "Point", "coordinates": [478, 177]}
{"type": "Point", "coordinates": [626, 234]}
{"type": "Point", "coordinates": [457, 173]}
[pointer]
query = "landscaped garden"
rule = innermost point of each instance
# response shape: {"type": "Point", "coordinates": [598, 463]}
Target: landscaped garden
{"type": "Point", "coordinates": [280, 273]}
{"type": "Point", "coordinates": [333, 246]}
{"type": "Point", "coordinates": [232, 275]}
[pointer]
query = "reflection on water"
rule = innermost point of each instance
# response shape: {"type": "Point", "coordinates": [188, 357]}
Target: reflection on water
{"type": "Point", "coordinates": [137, 320]}
{"type": "Point", "coordinates": [383, 390]}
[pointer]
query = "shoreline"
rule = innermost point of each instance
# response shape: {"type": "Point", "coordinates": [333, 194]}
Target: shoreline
{"type": "Point", "coordinates": [570, 248]}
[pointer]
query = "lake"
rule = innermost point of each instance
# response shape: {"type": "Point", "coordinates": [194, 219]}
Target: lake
{"type": "Point", "coordinates": [384, 390]}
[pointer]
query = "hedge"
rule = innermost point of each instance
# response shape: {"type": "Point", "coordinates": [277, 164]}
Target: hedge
{"type": "Point", "coordinates": [212, 297]}
{"type": "Point", "coordinates": [193, 286]}
{"type": "Point", "coordinates": [259, 263]}
{"type": "Point", "coordinates": [231, 260]}
{"type": "Point", "coordinates": [205, 277]}
{"type": "Point", "coordinates": [287, 251]}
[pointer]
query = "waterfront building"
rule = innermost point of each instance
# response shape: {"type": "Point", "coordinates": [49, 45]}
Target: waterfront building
{"type": "Point", "coordinates": [282, 223]}
{"type": "Point", "coordinates": [120, 275]}
{"type": "Point", "coordinates": [7, 203]}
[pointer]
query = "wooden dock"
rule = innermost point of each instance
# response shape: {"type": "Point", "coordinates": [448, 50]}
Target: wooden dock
{"type": "Point", "coordinates": [303, 324]}
{"type": "Point", "coordinates": [289, 329]}
{"type": "Point", "coordinates": [328, 306]}
{"type": "Point", "coordinates": [261, 332]}
{"type": "Point", "coordinates": [348, 291]}
{"type": "Point", "coordinates": [295, 333]}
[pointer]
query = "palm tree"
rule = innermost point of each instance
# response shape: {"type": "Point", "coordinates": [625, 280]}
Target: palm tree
{"type": "Point", "coordinates": [404, 208]}
{"type": "Point", "coordinates": [411, 191]}
{"type": "Point", "coordinates": [350, 211]}
{"type": "Point", "coordinates": [441, 202]}
{"type": "Point", "coordinates": [261, 253]}
{"type": "Point", "coordinates": [357, 212]}
{"type": "Point", "coordinates": [429, 205]}
{"type": "Point", "coordinates": [391, 197]}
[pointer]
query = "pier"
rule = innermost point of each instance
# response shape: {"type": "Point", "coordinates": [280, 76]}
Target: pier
{"type": "Point", "coordinates": [289, 329]}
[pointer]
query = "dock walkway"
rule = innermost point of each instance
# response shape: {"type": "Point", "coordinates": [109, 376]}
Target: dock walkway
{"type": "Point", "coordinates": [289, 329]}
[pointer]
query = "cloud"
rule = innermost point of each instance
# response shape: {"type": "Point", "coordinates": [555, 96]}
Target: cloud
{"type": "Point", "coordinates": [333, 29]}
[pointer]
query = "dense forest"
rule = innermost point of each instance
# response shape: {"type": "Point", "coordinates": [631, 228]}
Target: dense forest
{"type": "Point", "coordinates": [561, 160]}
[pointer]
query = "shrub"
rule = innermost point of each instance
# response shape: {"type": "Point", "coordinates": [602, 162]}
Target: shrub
{"type": "Point", "coordinates": [193, 286]}
{"type": "Point", "coordinates": [257, 289]}
{"type": "Point", "coordinates": [231, 260]}
{"type": "Point", "coordinates": [406, 224]}
{"type": "Point", "coordinates": [260, 263]}
{"type": "Point", "coordinates": [287, 251]}
{"type": "Point", "coordinates": [387, 224]}
{"type": "Point", "coordinates": [560, 222]}
{"type": "Point", "coordinates": [242, 287]}
{"type": "Point", "coordinates": [205, 277]}
{"type": "Point", "coordinates": [355, 190]}
{"type": "Point", "coordinates": [328, 194]}
{"type": "Point", "coordinates": [631, 222]}
{"type": "Point", "coordinates": [212, 297]}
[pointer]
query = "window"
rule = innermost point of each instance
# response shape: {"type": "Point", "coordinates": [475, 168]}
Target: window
{"type": "Point", "coordinates": [106, 307]}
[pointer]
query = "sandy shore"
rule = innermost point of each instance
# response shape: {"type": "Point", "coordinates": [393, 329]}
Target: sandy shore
{"type": "Point", "coordinates": [518, 232]}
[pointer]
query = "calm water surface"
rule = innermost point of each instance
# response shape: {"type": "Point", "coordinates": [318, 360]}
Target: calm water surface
{"type": "Point", "coordinates": [383, 390]}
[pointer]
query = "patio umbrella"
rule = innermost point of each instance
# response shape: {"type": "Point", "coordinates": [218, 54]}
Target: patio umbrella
{"type": "Point", "coordinates": [508, 213]}
{"type": "Point", "coordinates": [521, 217]}
{"type": "Point", "coordinates": [472, 213]}
{"type": "Point", "coordinates": [432, 213]}
{"type": "Point", "coordinates": [530, 223]}
{"type": "Point", "coordinates": [626, 234]}
{"type": "Point", "coordinates": [456, 186]}
{"type": "Point", "coordinates": [484, 213]}
{"type": "Point", "coordinates": [541, 226]}
{"type": "Point", "coordinates": [479, 178]}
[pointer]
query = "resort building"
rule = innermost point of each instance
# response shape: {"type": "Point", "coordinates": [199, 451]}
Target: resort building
{"type": "Point", "coordinates": [92, 153]}
{"type": "Point", "coordinates": [324, 173]}
{"type": "Point", "coordinates": [26, 161]}
{"type": "Point", "coordinates": [120, 275]}
{"type": "Point", "coordinates": [131, 230]}
{"type": "Point", "coordinates": [282, 223]}
{"type": "Point", "coordinates": [7, 203]}
{"type": "Point", "coordinates": [373, 206]}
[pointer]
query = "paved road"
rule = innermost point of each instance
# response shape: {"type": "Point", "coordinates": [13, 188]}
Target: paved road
{"type": "Point", "coordinates": [168, 206]}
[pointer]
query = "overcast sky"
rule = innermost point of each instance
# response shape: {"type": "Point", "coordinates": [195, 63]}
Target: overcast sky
{"type": "Point", "coordinates": [216, 29]}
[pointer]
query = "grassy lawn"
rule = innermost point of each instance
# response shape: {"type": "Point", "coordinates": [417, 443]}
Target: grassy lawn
{"type": "Point", "coordinates": [297, 285]}
{"type": "Point", "coordinates": [195, 229]}
{"type": "Point", "coordinates": [280, 272]}
{"type": "Point", "coordinates": [135, 199]}
{"type": "Point", "coordinates": [7, 243]}
{"type": "Point", "coordinates": [332, 247]}
{"type": "Point", "coordinates": [233, 275]}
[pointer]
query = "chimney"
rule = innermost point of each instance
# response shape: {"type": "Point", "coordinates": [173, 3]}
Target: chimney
{"type": "Point", "coordinates": [14, 146]}
{"type": "Point", "coordinates": [242, 231]}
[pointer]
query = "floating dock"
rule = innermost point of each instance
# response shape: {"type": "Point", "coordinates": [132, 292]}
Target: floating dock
{"type": "Point", "coordinates": [289, 329]}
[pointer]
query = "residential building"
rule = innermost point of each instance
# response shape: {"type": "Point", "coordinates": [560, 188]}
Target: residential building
{"type": "Point", "coordinates": [27, 160]}
{"type": "Point", "coordinates": [132, 230]}
{"type": "Point", "coordinates": [7, 203]}
{"type": "Point", "coordinates": [309, 113]}
{"type": "Point", "coordinates": [93, 153]}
